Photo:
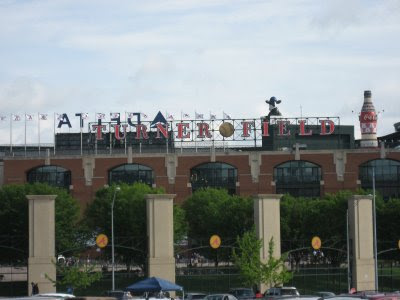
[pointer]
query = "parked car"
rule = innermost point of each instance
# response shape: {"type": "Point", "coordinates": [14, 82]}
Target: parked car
{"type": "Point", "coordinates": [325, 294]}
{"type": "Point", "coordinates": [119, 295]}
{"type": "Point", "coordinates": [242, 293]}
{"type": "Point", "coordinates": [220, 297]}
{"type": "Point", "coordinates": [275, 292]}
{"type": "Point", "coordinates": [194, 296]}
{"type": "Point", "coordinates": [54, 295]}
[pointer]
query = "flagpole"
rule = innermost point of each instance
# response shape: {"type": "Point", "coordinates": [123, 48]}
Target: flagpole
{"type": "Point", "coordinates": [80, 125]}
{"type": "Point", "coordinates": [54, 133]}
{"type": "Point", "coordinates": [39, 133]}
{"type": "Point", "coordinates": [25, 136]}
{"type": "Point", "coordinates": [11, 116]}
{"type": "Point", "coordinates": [126, 132]}
{"type": "Point", "coordinates": [194, 131]}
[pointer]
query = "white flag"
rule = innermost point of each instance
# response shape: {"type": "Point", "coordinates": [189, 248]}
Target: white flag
{"type": "Point", "coordinates": [100, 116]}
{"type": "Point", "coordinates": [199, 116]}
{"type": "Point", "coordinates": [28, 117]}
{"type": "Point", "coordinates": [43, 117]}
{"type": "Point", "coordinates": [185, 115]}
{"type": "Point", "coordinates": [16, 117]}
{"type": "Point", "coordinates": [212, 116]}
{"type": "Point", "coordinates": [60, 117]}
{"type": "Point", "coordinates": [3, 118]}
{"type": "Point", "coordinates": [170, 117]}
{"type": "Point", "coordinates": [114, 115]}
{"type": "Point", "coordinates": [143, 115]}
{"type": "Point", "coordinates": [85, 116]}
{"type": "Point", "coordinates": [226, 116]}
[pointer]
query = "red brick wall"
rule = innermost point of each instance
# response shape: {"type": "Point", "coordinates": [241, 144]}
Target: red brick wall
{"type": "Point", "coordinates": [15, 171]}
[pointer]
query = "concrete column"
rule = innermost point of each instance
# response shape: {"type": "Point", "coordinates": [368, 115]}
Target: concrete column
{"type": "Point", "coordinates": [361, 242]}
{"type": "Point", "coordinates": [41, 242]}
{"type": "Point", "coordinates": [160, 233]}
{"type": "Point", "coordinates": [268, 224]}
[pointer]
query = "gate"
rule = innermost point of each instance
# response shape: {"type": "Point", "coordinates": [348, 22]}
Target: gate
{"type": "Point", "coordinates": [388, 266]}
{"type": "Point", "coordinates": [317, 270]}
{"type": "Point", "coordinates": [130, 264]}
{"type": "Point", "coordinates": [13, 266]}
{"type": "Point", "coordinates": [200, 268]}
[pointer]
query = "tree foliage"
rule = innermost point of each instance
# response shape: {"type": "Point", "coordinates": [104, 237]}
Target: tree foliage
{"type": "Point", "coordinates": [214, 211]}
{"type": "Point", "coordinates": [130, 220]}
{"type": "Point", "coordinates": [247, 258]}
{"type": "Point", "coordinates": [14, 221]}
{"type": "Point", "coordinates": [273, 272]}
{"type": "Point", "coordinates": [75, 277]}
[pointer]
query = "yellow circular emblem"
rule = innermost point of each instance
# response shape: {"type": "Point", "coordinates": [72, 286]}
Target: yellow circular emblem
{"type": "Point", "coordinates": [215, 241]}
{"type": "Point", "coordinates": [101, 240]}
{"type": "Point", "coordinates": [316, 243]}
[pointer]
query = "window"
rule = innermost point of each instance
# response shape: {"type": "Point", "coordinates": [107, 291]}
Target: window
{"type": "Point", "coordinates": [52, 175]}
{"type": "Point", "coordinates": [298, 178]}
{"type": "Point", "coordinates": [387, 177]}
{"type": "Point", "coordinates": [214, 175]}
{"type": "Point", "coordinates": [130, 173]}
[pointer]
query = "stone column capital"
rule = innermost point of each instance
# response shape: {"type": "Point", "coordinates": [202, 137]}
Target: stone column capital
{"type": "Point", "coordinates": [41, 197]}
{"type": "Point", "coordinates": [267, 197]}
{"type": "Point", "coordinates": [160, 196]}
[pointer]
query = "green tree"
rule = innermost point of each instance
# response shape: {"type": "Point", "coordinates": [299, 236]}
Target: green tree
{"type": "Point", "coordinates": [76, 277]}
{"type": "Point", "coordinates": [14, 217]}
{"type": "Point", "coordinates": [130, 220]}
{"type": "Point", "coordinates": [273, 272]}
{"type": "Point", "coordinates": [213, 211]}
{"type": "Point", "coordinates": [247, 258]}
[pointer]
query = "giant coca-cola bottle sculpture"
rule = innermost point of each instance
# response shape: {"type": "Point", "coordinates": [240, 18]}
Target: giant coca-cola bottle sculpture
{"type": "Point", "coordinates": [368, 120]}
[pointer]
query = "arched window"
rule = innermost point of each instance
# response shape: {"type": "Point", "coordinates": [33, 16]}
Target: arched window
{"type": "Point", "coordinates": [214, 175]}
{"type": "Point", "coordinates": [387, 177]}
{"type": "Point", "coordinates": [130, 173]}
{"type": "Point", "coordinates": [52, 175]}
{"type": "Point", "coordinates": [298, 178]}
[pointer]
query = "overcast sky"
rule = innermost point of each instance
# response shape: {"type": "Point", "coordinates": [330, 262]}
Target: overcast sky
{"type": "Point", "coordinates": [68, 56]}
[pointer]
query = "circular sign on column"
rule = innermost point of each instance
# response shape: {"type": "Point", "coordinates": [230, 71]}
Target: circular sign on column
{"type": "Point", "coordinates": [215, 241]}
{"type": "Point", "coordinates": [101, 240]}
{"type": "Point", "coordinates": [316, 243]}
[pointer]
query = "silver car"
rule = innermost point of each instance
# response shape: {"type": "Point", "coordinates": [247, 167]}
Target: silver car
{"type": "Point", "coordinates": [220, 297]}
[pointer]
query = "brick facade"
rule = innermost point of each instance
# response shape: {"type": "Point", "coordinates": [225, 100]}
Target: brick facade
{"type": "Point", "coordinates": [255, 169]}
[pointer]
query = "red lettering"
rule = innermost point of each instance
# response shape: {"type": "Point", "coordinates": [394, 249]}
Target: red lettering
{"type": "Point", "coordinates": [204, 130]}
{"type": "Point", "coordinates": [283, 131]}
{"type": "Point", "coordinates": [247, 128]}
{"type": "Point", "coordinates": [182, 134]}
{"type": "Point", "coordinates": [99, 128]}
{"type": "Point", "coordinates": [324, 124]}
{"type": "Point", "coordinates": [162, 129]}
{"type": "Point", "coordinates": [302, 128]}
{"type": "Point", "coordinates": [117, 132]}
{"type": "Point", "coordinates": [141, 131]}
{"type": "Point", "coordinates": [265, 129]}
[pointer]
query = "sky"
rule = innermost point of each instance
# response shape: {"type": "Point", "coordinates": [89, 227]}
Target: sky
{"type": "Point", "coordinates": [318, 57]}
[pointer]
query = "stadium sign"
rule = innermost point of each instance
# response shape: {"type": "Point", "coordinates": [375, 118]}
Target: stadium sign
{"type": "Point", "coordinates": [199, 129]}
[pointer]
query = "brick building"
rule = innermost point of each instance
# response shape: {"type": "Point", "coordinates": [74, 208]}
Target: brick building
{"type": "Point", "coordinates": [300, 156]}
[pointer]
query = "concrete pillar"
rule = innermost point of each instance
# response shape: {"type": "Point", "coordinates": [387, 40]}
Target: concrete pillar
{"type": "Point", "coordinates": [361, 242]}
{"type": "Point", "coordinates": [160, 233]}
{"type": "Point", "coordinates": [268, 224]}
{"type": "Point", "coordinates": [41, 242]}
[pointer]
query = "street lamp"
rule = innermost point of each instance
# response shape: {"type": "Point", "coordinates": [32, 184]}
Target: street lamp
{"type": "Point", "coordinates": [374, 223]}
{"type": "Point", "coordinates": [112, 236]}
